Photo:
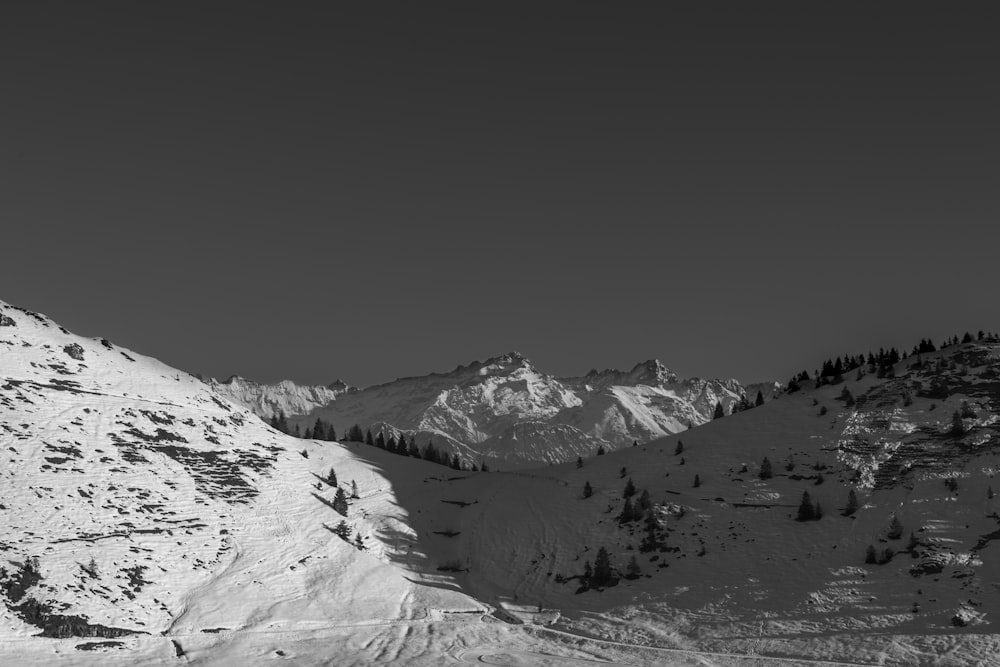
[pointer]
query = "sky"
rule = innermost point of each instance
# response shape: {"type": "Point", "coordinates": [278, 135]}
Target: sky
{"type": "Point", "coordinates": [373, 190]}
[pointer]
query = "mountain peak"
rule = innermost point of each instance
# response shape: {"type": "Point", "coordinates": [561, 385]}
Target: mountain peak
{"type": "Point", "coordinates": [652, 372]}
{"type": "Point", "coordinates": [508, 359]}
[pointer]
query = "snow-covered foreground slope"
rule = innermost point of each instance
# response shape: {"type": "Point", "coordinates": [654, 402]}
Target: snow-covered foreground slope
{"type": "Point", "coordinates": [506, 412]}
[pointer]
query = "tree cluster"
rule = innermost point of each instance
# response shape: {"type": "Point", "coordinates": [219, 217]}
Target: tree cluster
{"type": "Point", "coordinates": [402, 447]}
{"type": "Point", "coordinates": [600, 574]}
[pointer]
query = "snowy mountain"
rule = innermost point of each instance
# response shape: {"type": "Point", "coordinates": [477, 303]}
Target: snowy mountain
{"type": "Point", "coordinates": [510, 414]}
{"type": "Point", "coordinates": [268, 400]}
{"type": "Point", "coordinates": [147, 520]}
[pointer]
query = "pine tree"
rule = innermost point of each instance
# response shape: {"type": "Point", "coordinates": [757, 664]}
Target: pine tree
{"type": "Point", "coordinates": [342, 530]}
{"type": "Point", "coordinates": [760, 400]}
{"type": "Point", "coordinates": [602, 568]}
{"type": "Point", "coordinates": [600, 450]}
{"type": "Point", "coordinates": [622, 472]}
{"type": "Point", "coordinates": [852, 503]}
{"type": "Point", "coordinates": [340, 502]}
{"type": "Point", "coordinates": [369, 440]}
{"type": "Point", "coordinates": [319, 430]}
{"type": "Point", "coordinates": [331, 434]}
{"type": "Point", "coordinates": [632, 570]}
{"type": "Point", "coordinates": [358, 542]}
{"type": "Point", "coordinates": [957, 425]}
{"type": "Point", "coordinates": [588, 572]}
{"type": "Point", "coordinates": [679, 448]}
{"type": "Point", "coordinates": [895, 528]}
{"type": "Point", "coordinates": [354, 489]}
{"type": "Point", "coordinates": [380, 440]}
{"type": "Point", "coordinates": [309, 434]}
{"type": "Point", "coordinates": [588, 490]}
{"type": "Point", "coordinates": [806, 510]}
{"type": "Point", "coordinates": [719, 412]}
{"type": "Point", "coordinates": [697, 481]}
{"type": "Point", "coordinates": [765, 469]}
{"type": "Point", "coordinates": [629, 489]}
{"type": "Point", "coordinates": [355, 434]}
{"type": "Point", "coordinates": [650, 542]}
{"type": "Point", "coordinates": [628, 512]}
{"type": "Point", "coordinates": [644, 504]}
{"type": "Point", "coordinates": [297, 433]}
{"type": "Point", "coordinates": [579, 462]}
{"type": "Point", "coordinates": [331, 477]}
{"type": "Point", "coordinates": [392, 445]}
{"type": "Point", "coordinates": [847, 397]}
{"type": "Point", "coordinates": [414, 451]}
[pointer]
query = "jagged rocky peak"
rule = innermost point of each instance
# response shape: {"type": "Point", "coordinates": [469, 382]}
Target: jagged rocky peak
{"type": "Point", "coordinates": [339, 385]}
{"type": "Point", "coordinates": [509, 361]}
{"type": "Point", "coordinates": [653, 373]}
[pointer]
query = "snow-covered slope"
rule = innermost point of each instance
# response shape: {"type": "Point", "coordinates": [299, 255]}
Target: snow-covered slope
{"type": "Point", "coordinates": [269, 400]}
{"type": "Point", "coordinates": [730, 567]}
{"type": "Point", "coordinates": [142, 510]}
{"type": "Point", "coordinates": [510, 414]}
{"type": "Point", "coordinates": [146, 520]}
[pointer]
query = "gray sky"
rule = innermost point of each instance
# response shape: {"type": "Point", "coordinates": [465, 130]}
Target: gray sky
{"type": "Point", "coordinates": [321, 191]}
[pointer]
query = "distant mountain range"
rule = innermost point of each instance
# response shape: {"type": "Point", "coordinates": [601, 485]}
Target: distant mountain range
{"type": "Point", "coordinates": [507, 412]}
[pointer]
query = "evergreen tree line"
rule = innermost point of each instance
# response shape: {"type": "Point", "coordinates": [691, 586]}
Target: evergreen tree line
{"type": "Point", "coordinates": [402, 447]}
{"type": "Point", "coordinates": [321, 430]}
{"type": "Point", "coordinates": [832, 370]}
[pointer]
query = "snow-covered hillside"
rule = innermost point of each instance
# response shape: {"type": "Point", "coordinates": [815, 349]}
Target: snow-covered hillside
{"type": "Point", "coordinates": [269, 400]}
{"type": "Point", "coordinates": [508, 413]}
{"type": "Point", "coordinates": [144, 519]}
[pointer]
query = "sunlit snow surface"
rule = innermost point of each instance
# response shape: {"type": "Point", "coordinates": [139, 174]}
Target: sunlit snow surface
{"type": "Point", "coordinates": [180, 529]}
